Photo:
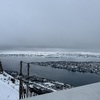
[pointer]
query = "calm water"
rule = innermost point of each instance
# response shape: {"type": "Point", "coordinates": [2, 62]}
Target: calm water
{"type": "Point", "coordinates": [74, 78]}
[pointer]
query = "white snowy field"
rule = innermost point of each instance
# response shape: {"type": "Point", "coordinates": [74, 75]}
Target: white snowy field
{"type": "Point", "coordinates": [88, 92]}
{"type": "Point", "coordinates": [8, 90]}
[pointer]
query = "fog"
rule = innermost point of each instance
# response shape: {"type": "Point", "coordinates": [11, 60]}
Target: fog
{"type": "Point", "coordinates": [50, 23]}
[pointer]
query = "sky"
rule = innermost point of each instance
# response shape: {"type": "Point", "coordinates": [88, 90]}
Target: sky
{"type": "Point", "coordinates": [50, 23]}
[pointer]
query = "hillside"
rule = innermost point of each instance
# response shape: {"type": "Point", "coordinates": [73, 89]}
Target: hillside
{"type": "Point", "coordinates": [8, 89]}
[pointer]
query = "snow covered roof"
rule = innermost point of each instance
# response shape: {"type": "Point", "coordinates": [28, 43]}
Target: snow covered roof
{"type": "Point", "coordinates": [87, 92]}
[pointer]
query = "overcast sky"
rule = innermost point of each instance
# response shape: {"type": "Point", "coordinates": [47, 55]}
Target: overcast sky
{"type": "Point", "coordinates": [50, 23]}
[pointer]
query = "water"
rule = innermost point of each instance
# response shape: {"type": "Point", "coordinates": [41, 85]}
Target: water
{"type": "Point", "coordinates": [73, 78]}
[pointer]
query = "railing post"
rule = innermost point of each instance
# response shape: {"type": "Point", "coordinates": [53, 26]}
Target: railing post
{"type": "Point", "coordinates": [28, 69]}
{"type": "Point", "coordinates": [20, 82]}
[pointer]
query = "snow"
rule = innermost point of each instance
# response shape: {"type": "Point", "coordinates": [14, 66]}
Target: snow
{"type": "Point", "coordinates": [48, 84]}
{"type": "Point", "coordinates": [8, 90]}
{"type": "Point", "coordinates": [51, 53]}
{"type": "Point", "coordinates": [88, 92]}
{"type": "Point", "coordinates": [44, 86]}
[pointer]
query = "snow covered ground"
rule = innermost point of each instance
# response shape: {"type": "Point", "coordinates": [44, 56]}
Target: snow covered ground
{"type": "Point", "coordinates": [8, 90]}
{"type": "Point", "coordinates": [88, 92]}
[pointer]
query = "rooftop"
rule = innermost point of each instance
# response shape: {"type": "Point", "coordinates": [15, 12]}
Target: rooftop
{"type": "Point", "coordinates": [87, 92]}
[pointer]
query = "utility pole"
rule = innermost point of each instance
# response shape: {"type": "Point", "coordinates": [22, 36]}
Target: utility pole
{"type": "Point", "coordinates": [20, 79]}
{"type": "Point", "coordinates": [28, 69]}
